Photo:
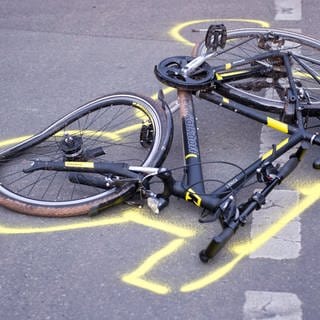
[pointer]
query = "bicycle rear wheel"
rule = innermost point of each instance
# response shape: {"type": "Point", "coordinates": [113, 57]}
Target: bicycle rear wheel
{"type": "Point", "coordinates": [122, 127]}
{"type": "Point", "coordinates": [269, 91]}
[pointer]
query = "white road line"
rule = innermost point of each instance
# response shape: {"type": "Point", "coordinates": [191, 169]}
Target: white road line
{"type": "Point", "coordinates": [288, 10]}
{"type": "Point", "coordinates": [272, 305]}
{"type": "Point", "coordinates": [287, 243]}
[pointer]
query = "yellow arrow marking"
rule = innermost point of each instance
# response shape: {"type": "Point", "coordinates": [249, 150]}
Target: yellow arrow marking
{"type": "Point", "coordinates": [136, 277]}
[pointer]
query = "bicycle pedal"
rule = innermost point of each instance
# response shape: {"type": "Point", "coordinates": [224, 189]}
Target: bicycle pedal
{"type": "Point", "coordinates": [216, 36]}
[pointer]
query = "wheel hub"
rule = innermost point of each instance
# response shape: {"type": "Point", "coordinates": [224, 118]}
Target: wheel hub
{"type": "Point", "coordinates": [71, 147]}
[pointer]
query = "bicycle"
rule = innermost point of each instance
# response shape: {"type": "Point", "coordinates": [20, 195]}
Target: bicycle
{"type": "Point", "coordinates": [110, 149]}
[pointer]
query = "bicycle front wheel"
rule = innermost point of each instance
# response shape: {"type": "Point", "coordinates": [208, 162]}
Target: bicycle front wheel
{"type": "Point", "coordinates": [269, 91]}
{"type": "Point", "coordinates": [123, 127]}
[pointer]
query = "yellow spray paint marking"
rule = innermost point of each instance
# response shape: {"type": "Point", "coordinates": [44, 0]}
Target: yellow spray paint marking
{"type": "Point", "coordinates": [312, 195]}
{"type": "Point", "coordinates": [211, 277]}
{"type": "Point", "coordinates": [166, 91]}
{"type": "Point", "coordinates": [90, 133]}
{"type": "Point", "coordinates": [175, 32]}
{"type": "Point", "coordinates": [125, 217]}
{"type": "Point", "coordinates": [12, 141]}
{"type": "Point", "coordinates": [159, 225]}
{"type": "Point", "coordinates": [115, 136]}
{"type": "Point", "coordinates": [139, 113]}
{"type": "Point", "coordinates": [65, 227]}
{"type": "Point", "coordinates": [136, 277]}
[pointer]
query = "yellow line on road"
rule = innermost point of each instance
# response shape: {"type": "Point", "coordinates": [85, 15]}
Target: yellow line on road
{"type": "Point", "coordinates": [173, 229]}
{"type": "Point", "coordinates": [312, 195]}
{"type": "Point", "coordinates": [135, 277]}
{"type": "Point", "coordinates": [175, 32]}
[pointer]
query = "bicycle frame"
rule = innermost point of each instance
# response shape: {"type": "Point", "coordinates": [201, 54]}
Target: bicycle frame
{"type": "Point", "coordinates": [194, 191]}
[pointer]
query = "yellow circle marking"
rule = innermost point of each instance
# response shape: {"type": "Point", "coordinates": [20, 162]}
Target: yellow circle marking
{"type": "Point", "coordinates": [175, 32]}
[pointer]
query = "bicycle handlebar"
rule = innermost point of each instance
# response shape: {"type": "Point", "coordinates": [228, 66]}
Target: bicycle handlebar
{"type": "Point", "coordinates": [216, 244]}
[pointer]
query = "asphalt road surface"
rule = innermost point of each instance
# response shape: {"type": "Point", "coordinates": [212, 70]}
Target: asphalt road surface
{"type": "Point", "coordinates": [128, 263]}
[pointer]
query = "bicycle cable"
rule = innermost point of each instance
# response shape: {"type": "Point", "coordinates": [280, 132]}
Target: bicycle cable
{"type": "Point", "coordinates": [210, 180]}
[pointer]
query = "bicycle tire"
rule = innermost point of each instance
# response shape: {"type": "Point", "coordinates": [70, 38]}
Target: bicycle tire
{"type": "Point", "coordinates": [112, 122]}
{"type": "Point", "coordinates": [266, 98]}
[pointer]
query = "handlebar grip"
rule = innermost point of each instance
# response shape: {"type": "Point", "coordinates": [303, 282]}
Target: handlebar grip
{"type": "Point", "coordinates": [288, 167]}
{"type": "Point", "coordinates": [216, 244]}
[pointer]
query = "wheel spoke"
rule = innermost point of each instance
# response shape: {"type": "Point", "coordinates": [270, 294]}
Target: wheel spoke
{"type": "Point", "coordinates": [113, 126]}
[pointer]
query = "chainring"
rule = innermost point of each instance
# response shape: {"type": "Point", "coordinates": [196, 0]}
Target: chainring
{"type": "Point", "coordinates": [169, 72]}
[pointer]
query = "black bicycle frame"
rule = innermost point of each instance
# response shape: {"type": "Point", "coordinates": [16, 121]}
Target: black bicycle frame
{"type": "Point", "coordinates": [193, 189]}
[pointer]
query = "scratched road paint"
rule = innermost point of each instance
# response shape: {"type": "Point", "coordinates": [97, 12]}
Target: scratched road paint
{"type": "Point", "coordinates": [272, 305]}
{"type": "Point", "coordinates": [288, 10]}
{"type": "Point", "coordinates": [287, 243]}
